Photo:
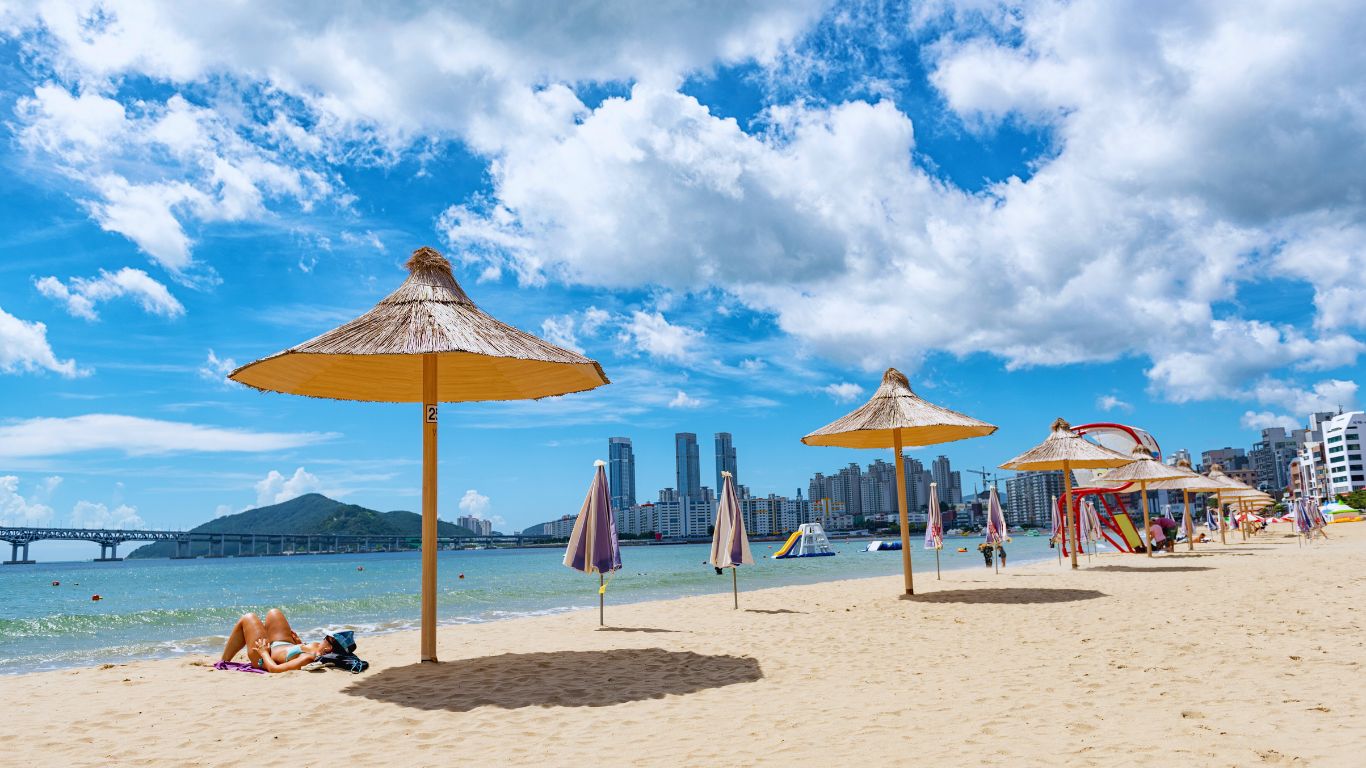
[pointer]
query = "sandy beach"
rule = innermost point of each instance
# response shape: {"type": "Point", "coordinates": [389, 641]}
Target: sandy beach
{"type": "Point", "coordinates": [1240, 655]}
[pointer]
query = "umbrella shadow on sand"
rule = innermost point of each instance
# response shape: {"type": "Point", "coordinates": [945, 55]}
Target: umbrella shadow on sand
{"type": "Point", "coordinates": [1006, 596]}
{"type": "Point", "coordinates": [555, 679]}
{"type": "Point", "coordinates": [771, 611]}
{"type": "Point", "coordinates": [634, 629]}
{"type": "Point", "coordinates": [1154, 569]}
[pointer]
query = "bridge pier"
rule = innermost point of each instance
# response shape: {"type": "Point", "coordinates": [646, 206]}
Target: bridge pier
{"type": "Point", "coordinates": [15, 558]}
{"type": "Point", "coordinates": [109, 552]}
{"type": "Point", "coordinates": [182, 549]}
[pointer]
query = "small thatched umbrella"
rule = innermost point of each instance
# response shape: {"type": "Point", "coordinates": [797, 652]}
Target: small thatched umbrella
{"type": "Point", "coordinates": [896, 418]}
{"type": "Point", "coordinates": [1142, 469]}
{"type": "Point", "coordinates": [1188, 481]}
{"type": "Point", "coordinates": [1066, 450]}
{"type": "Point", "coordinates": [1228, 488]}
{"type": "Point", "coordinates": [425, 343]}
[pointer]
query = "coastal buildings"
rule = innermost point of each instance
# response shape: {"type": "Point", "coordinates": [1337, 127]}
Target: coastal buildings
{"type": "Point", "coordinates": [1029, 497]}
{"type": "Point", "coordinates": [1270, 458]}
{"type": "Point", "coordinates": [1342, 451]}
{"type": "Point", "coordinates": [1231, 459]}
{"type": "Point", "coordinates": [725, 459]}
{"type": "Point", "coordinates": [621, 472]}
{"type": "Point", "coordinates": [477, 526]}
{"type": "Point", "coordinates": [687, 468]}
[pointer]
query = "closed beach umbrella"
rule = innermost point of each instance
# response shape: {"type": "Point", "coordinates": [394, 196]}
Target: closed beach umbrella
{"type": "Point", "coordinates": [729, 542]}
{"type": "Point", "coordinates": [1066, 450]}
{"type": "Point", "coordinates": [425, 343]}
{"type": "Point", "coordinates": [896, 418]}
{"type": "Point", "coordinates": [996, 523]}
{"type": "Point", "coordinates": [934, 527]}
{"type": "Point", "coordinates": [593, 545]}
{"type": "Point", "coordinates": [1090, 526]}
{"type": "Point", "coordinates": [1142, 469]}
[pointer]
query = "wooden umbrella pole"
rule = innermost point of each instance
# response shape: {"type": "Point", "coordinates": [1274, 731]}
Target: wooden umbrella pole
{"type": "Point", "coordinates": [735, 586]}
{"type": "Point", "coordinates": [601, 592]}
{"type": "Point", "coordinates": [901, 506]}
{"type": "Point", "coordinates": [1190, 524]}
{"type": "Point", "coordinates": [429, 410]}
{"type": "Point", "coordinates": [1068, 523]}
{"type": "Point", "coordinates": [936, 564]}
{"type": "Point", "coordinates": [1147, 523]}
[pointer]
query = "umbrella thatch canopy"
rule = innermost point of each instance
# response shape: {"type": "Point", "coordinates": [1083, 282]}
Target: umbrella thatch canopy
{"type": "Point", "coordinates": [1066, 450]}
{"type": "Point", "coordinates": [1143, 469]}
{"type": "Point", "coordinates": [1188, 482]}
{"type": "Point", "coordinates": [425, 343]}
{"type": "Point", "coordinates": [1230, 489]}
{"type": "Point", "coordinates": [895, 417]}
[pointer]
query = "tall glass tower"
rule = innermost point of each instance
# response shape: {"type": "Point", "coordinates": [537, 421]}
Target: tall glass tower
{"type": "Point", "coordinates": [621, 472]}
{"type": "Point", "coordinates": [686, 465]}
{"type": "Point", "coordinates": [725, 460]}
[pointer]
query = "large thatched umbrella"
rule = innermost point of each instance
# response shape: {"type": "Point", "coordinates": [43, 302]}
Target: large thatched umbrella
{"type": "Point", "coordinates": [1066, 450]}
{"type": "Point", "coordinates": [425, 343]}
{"type": "Point", "coordinates": [896, 418]}
{"type": "Point", "coordinates": [1142, 469]}
{"type": "Point", "coordinates": [1188, 481]}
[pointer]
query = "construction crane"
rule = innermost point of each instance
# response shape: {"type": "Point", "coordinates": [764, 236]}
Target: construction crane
{"type": "Point", "coordinates": [986, 477]}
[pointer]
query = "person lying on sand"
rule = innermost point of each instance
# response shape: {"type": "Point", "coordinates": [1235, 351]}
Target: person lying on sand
{"type": "Point", "coordinates": [272, 644]}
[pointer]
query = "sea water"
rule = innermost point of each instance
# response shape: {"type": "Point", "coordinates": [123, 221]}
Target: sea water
{"type": "Point", "coordinates": [158, 608]}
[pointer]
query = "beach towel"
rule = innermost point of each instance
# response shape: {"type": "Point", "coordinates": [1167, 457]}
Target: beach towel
{"type": "Point", "coordinates": [236, 666]}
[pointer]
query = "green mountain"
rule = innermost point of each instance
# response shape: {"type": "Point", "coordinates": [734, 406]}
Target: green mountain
{"type": "Point", "coordinates": [311, 513]}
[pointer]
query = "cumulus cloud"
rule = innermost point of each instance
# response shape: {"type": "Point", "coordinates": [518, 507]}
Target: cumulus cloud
{"type": "Point", "coordinates": [89, 514]}
{"type": "Point", "coordinates": [24, 349]}
{"type": "Point", "coordinates": [476, 504]}
{"type": "Point", "coordinates": [559, 330]}
{"type": "Point", "coordinates": [17, 510]}
{"type": "Point", "coordinates": [843, 391]}
{"type": "Point", "coordinates": [275, 487]}
{"type": "Point", "coordinates": [80, 295]}
{"type": "Point", "coordinates": [684, 400]}
{"type": "Point", "coordinates": [137, 436]}
{"type": "Point", "coordinates": [1260, 420]}
{"type": "Point", "coordinates": [652, 334]}
{"type": "Point", "coordinates": [1328, 395]}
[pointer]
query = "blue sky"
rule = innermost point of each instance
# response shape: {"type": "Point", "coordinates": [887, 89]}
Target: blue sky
{"type": "Point", "coordinates": [1148, 213]}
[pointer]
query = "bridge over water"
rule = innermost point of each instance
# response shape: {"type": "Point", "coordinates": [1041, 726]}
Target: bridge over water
{"type": "Point", "coordinates": [243, 544]}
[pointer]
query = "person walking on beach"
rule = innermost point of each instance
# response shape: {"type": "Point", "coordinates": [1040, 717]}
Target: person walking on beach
{"type": "Point", "coordinates": [986, 553]}
{"type": "Point", "coordinates": [1001, 553]}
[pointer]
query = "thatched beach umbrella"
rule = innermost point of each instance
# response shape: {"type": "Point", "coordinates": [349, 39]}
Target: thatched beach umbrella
{"type": "Point", "coordinates": [425, 343]}
{"type": "Point", "coordinates": [1230, 489]}
{"type": "Point", "coordinates": [1188, 481]}
{"type": "Point", "coordinates": [1066, 450]}
{"type": "Point", "coordinates": [1142, 469]}
{"type": "Point", "coordinates": [729, 542]}
{"type": "Point", "coordinates": [896, 418]}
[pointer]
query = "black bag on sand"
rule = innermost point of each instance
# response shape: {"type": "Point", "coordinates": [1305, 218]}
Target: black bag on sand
{"type": "Point", "coordinates": [347, 661]}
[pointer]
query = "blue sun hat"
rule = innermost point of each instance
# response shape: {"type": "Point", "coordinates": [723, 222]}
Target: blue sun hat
{"type": "Point", "coordinates": [343, 642]}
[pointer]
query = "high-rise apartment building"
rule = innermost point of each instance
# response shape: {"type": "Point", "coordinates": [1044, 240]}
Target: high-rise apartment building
{"type": "Point", "coordinates": [1229, 458]}
{"type": "Point", "coordinates": [942, 473]}
{"type": "Point", "coordinates": [476, 525]}
{"type": "Point", "coordinates": [621, 472]}
{"type": "Point", "coordinates": [1029, 497]}
{"type": "Point", "coordinates": [1343, 453]}
{"type": "Point", "coordinates": [1270, 459]}
{"type": "Point", "coordinates": [725, 460]}
{"type": "Point", "coordinates": [955, 487]}
{"type": "Point", "coordinates": [686, 465]}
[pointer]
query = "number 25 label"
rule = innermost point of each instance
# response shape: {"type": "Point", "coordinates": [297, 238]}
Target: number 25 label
{"type": "Point", "coordinates": [430, 411]}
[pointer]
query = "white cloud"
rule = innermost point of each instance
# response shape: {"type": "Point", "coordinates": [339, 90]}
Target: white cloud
{"type": "Point", "coordinates": [843, 391]}
{"type": "Point", "coordinates": [24, 349]}
{"type": "Point", "coordinates": [1260, 420]}
{"type": "Point", "coordinates": [1110, 403]}
{"type": "Point", "coordinates": [683, 400]}
{"type": "Point", "coordinates": [82, 294]}
{"type": "Point", "coordinates": [474, 503]}
{"type": "Point", "coordinates": [89, 514]}
{"type": "Point", "coordinates": [657, 337]}
{"type": "Point", "coordinates": [1327, 395]}
{"type": "Point", "coordinates": [275, 487]}
{"type": "Point", "coordinates": [19, 511]}
{"type": "Point", "coordinates": [559, 330]}
{"type": "Point", "coordinates": [216, 370]}
{"type": "Point", "coordinates": [223, 510]}
{"type": "Point", "coordinates": [137, 436]}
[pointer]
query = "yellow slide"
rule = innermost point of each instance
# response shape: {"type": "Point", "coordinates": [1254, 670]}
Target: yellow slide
{"type": "Point", "coordinates": [791, 540]}
{"type": "Point", "coordinates": [1126, 527]}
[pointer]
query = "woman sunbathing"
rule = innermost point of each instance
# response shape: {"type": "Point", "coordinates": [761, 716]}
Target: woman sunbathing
{"type": "Point", "coordinates": [272, 644]}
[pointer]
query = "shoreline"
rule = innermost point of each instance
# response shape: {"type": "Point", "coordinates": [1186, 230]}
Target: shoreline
{"type": "Point", "coordinates": [176, 648]}
{"type": "Point", "coordinates": [1229, 655]}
